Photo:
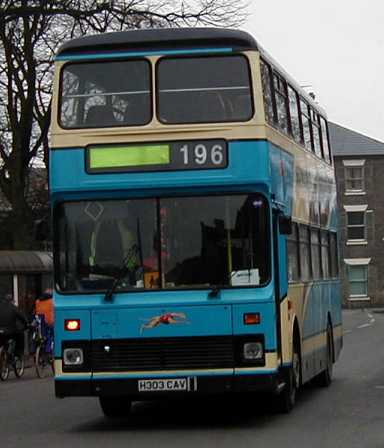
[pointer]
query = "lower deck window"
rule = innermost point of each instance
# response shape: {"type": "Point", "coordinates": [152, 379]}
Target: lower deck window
{"type": "Point", "coordinates": [311, 254]}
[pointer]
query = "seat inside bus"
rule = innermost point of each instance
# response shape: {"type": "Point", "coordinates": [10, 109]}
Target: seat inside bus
{"type": "Point", "coordinates": [109, 246]}
{"type": "Point", "coordinates": [137, 110]}
{"type": "Point", "coordinates": [100, 115]}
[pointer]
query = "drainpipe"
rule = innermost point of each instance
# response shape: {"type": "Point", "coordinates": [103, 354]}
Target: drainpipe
{"type": "Point", "coordinates": [16, 289]}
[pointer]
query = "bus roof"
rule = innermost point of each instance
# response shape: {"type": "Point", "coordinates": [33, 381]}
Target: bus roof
{"type": "Point", "coordinates": [168, 38]}
{"type": "Point", "coordinates": [162, 39]}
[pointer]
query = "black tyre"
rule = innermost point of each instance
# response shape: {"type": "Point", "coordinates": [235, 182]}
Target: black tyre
{"type": "Point", "coordinates": [115, 407]}
{"type": "Point", "coordinates": [41, 362]}
{"type": "Point", "coordinates": [4, 366]}
{"type": "Point", "coordinates": [18, 366]}
{"type": "Point", "coordinates": [324, 378]}
{"type": "Point", "coordinates": [286, 400]}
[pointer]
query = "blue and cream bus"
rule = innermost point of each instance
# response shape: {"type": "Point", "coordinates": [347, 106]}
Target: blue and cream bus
{"type": "Point", "coordinates": [194, 210]}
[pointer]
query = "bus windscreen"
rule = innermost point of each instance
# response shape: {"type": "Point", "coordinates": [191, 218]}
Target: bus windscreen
{"type": "Point", "coordinates": [163, 243]}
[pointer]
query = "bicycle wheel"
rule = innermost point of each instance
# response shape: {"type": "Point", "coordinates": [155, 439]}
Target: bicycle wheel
{"type": "Point", "coordinates": [41, 362]}
{"type": "Point", "coordinates": [18, 366]}
{"type": "Point", "coordinates": [4, 367]}
{"type": "Point", "coordinates": [52, 364]}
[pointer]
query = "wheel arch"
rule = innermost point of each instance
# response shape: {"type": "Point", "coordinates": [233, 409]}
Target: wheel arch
{"type": "Point", "coordinates": [296, 341]}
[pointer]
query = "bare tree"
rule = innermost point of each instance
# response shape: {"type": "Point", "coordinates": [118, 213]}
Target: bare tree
{"type": "Point", "coordinates": [30, 33]}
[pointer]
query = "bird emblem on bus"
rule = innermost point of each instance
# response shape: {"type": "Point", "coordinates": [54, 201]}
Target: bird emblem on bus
{"type": "Point", "coordinates": [165, 319]}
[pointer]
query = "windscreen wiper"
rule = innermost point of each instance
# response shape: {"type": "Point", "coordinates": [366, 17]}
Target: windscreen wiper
{"type": "Point", "coordinates": [214, 292]}
{"type": "Point", "coordinates": [215, 289]}
{"type": "Point", "coordinates": [126, 267]}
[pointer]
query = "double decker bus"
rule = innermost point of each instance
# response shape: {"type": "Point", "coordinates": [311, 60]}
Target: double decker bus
{"type": "Point", "coordinates": [194, 212]}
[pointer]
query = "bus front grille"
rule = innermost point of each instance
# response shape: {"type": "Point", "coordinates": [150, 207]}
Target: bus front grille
{"type": "Point", "coordinates": [162, 354]}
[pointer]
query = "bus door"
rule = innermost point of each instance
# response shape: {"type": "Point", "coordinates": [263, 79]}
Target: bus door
{"type": "Point", "coordinates": [281, 227]}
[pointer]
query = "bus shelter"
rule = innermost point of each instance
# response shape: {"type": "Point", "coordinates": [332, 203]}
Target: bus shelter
{"type": "Point", "coordinates": [24, 275]}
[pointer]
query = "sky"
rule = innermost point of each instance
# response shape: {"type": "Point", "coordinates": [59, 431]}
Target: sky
{"type": "Point", "coordinates": [336, 47]}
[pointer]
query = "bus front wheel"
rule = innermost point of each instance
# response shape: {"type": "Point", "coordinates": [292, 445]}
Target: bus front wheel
{"type": "Point", "coordinates": [115, 407]}
{"type": "Point", "coordinates": [286, 400]}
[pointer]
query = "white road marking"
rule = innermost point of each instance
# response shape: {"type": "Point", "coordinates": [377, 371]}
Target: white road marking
{"type": "Point", "coordinates": [379, 387]}
{"type": "Point", "coordinates": [364, 326]}
{"type": "Point", "coordinates": [368, 324]}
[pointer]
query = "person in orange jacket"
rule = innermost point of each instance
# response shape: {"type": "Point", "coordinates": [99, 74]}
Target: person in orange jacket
{"type": "Point", "coordinates": [44, 306]}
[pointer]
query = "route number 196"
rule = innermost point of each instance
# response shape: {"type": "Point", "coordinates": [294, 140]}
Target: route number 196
{"type": "Point", "coordinates": [210, 154]}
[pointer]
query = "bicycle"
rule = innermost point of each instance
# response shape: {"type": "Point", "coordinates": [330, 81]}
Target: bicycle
{"type": "Point", "coordinates": [43, 338]}
{"type": "Point", "coordinates": [10, 359]}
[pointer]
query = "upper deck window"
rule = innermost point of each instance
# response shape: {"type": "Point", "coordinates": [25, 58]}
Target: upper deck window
{"type": "Point", "coordinates": [204, 89]}
{"type": "Point", "coordinates": [305, 119]}
{"type": "Point", "coordinates": [280, 89]}
{"type": "Point", "coordinates": [316, 133]}
{"type": "Point", "coordinates": [105, 94]}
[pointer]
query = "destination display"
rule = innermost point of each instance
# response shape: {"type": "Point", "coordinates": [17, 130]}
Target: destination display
{"type": "Point", "coordinates": [179, 155]}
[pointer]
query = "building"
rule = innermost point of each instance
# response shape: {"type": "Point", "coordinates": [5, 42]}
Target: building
{"type": "Point", "coordinates": [359, 164]}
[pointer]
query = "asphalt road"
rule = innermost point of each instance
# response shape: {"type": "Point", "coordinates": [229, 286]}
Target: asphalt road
{"type": "Point", "coordinates": [348, 414]}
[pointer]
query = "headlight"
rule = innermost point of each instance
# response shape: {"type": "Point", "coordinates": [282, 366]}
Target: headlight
{"type": "Point", "coordinates": [253, 351]}
{"type": "Point", "coordinates": [73, 356]}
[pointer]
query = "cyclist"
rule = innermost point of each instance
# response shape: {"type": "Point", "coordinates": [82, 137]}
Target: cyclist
{"type": "Point", "coordinates": [12, 324]}
{"type": "Point", "coordinates": [43, 323]}
{"type": "Point", "coordinates": [44, 306]}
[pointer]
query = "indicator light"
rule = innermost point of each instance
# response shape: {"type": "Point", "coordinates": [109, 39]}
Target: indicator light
{"type": "Point", "coordinates": [251, 318]}
{"type": "Point", "coordinates": [72, 324]}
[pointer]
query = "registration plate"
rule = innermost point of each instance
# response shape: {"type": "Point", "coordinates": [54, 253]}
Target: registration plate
{"type": "Point", "coordinates": [168, 385]}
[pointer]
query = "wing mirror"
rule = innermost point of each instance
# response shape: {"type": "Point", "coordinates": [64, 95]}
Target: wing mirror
{"type": "Point", "coordinates": [285, 225]}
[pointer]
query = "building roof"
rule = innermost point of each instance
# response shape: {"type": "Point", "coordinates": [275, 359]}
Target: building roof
{"type": "Point", "coordinates": [24, 261]}
{"type": "Point", "coordinates": [166, 38]}
{"type": "Point", "coordinates": [346, 142]}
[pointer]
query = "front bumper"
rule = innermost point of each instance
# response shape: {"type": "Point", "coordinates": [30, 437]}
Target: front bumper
{"type": "Point", "coordinates": [202, 385]}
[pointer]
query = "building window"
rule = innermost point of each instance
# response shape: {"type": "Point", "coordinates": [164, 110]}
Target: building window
{"type": "Point", "coordinates": [354, 176]}
{"type": "Point", "coordinates": [358, 280]}
{"type": "Point", "coordinates": [356, 225]}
